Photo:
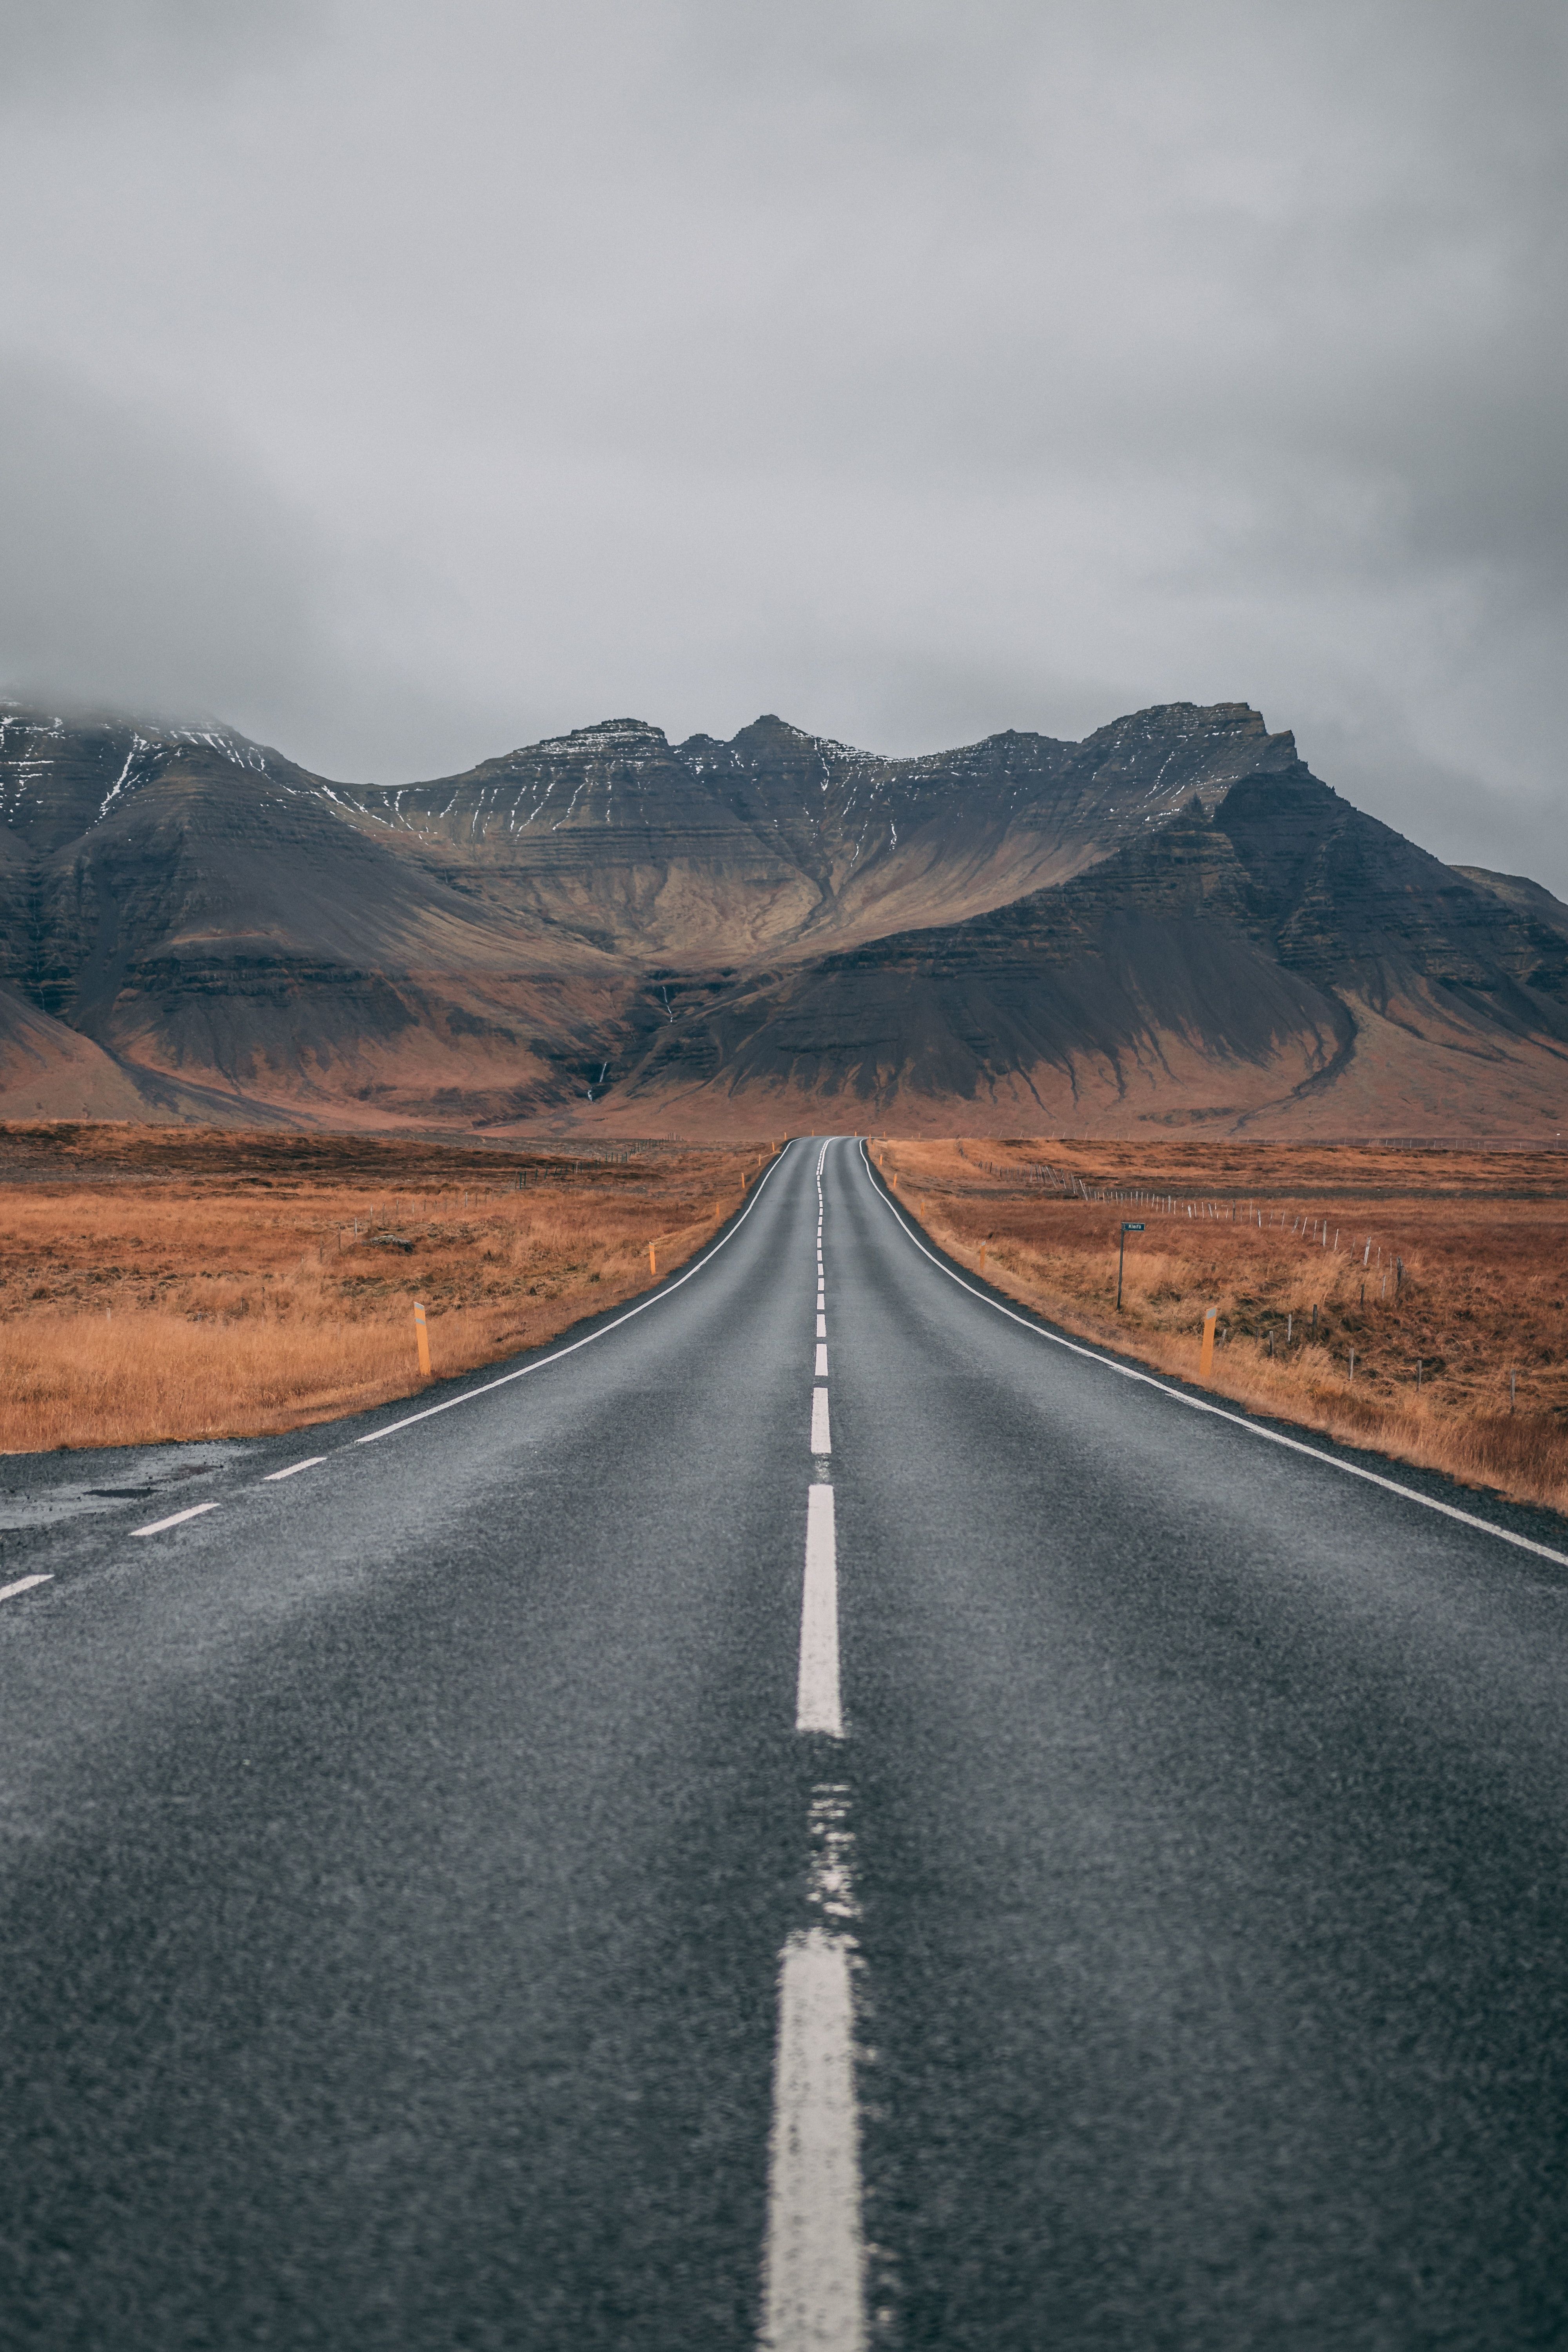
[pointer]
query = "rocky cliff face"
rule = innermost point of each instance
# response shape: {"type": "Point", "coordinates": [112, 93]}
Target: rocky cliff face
{"type": "Point", "coordinates": [780, 842]}
{"type": "Point", "coordinates": [1517, 890]}
{"type": "Point", "coordinates": [1241, 964]}
{"type": "Point", "coordinates": [199, 909]}
{"type": "Point", "coordinates": [1172, 918]}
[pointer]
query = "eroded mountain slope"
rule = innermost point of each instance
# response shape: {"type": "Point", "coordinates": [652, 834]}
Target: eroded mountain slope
{"type": "Point", "coordinates": [1170, 920]}
{"type": "Point", "coordinates": [1282, 959]}
{"type": "Point", "coordinates": [194, 905]}
{"type": "Point", "coordinates": [779, 841]}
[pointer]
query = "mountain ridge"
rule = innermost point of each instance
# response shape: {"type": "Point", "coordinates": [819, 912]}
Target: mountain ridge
{"type": "Point", "coordinates": [1230, 944]}
{"type": "Point", "coordinates": [810, 824]}
{"type": "Point", "coordinates": [609, 926]}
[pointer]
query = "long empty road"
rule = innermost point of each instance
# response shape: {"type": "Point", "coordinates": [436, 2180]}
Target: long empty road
{"type": "Point", "coordinates": [819, 1816]}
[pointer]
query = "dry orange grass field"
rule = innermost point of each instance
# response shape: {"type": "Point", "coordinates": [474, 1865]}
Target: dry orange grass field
{"type": "Point", "coordinates": [1453, 1261]}
{"type": "Point", "coordinates": [161, 1283]}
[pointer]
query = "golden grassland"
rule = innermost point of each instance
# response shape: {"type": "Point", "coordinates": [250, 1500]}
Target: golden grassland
{"type": "Point", "coordinates": [1454, 1260]}
{"type": "Point", "coordinates": [165, 1284]}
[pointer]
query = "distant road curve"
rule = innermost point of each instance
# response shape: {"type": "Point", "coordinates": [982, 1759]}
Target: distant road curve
{"type": "Point", "coordinates": [814, 1812]}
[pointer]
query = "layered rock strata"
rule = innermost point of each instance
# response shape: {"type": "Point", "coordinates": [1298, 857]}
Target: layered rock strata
{"type": "Point", "coordinates": [1170, 919]}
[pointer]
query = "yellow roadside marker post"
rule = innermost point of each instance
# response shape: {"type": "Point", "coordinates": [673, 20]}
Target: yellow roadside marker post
{"type": "Point", "coordinates": [1206, 1360]}
{"type": "Point", "coordinates": [652, 1261]}
{"type": "Point", "coordinates": [422, 1334]}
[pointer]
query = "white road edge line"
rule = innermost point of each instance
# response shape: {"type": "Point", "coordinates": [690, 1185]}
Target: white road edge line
{"type": "Point", "coordinates": [22, 1584]}
{"type": "Point", "coordinates": [175, 1519]}
{"type": "Point", "coordinates": [816, 1705]}
{"type": "Point", "coordinates": [294, 1469]}
{"type": "Point", "coordinates": [814, 2264]}
{"type": "Point", "coordinates": [821, 1441]}
{"type": "Point", "coordinates": [1200, 1404]}
{"type": "Point", "coordinates": [667, 1290]}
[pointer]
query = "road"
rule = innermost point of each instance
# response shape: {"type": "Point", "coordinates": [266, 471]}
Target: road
{"type": "Point", "coordinates": [633, 1857]}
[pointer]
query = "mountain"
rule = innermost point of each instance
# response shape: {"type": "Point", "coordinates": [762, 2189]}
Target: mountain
{"type": "Point", "coordinates": [197, 907]}
{"type": "Point", "coordinates": [705, 851]}
{"type": "Point", "coordinates": [1529, 896]}
{"type": "Point", "coordinates": [1280, 962]}
{"type": "Point", "coordinates": [1171, 920]}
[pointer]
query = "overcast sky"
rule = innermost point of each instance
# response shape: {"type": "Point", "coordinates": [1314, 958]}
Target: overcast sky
{"type": "Point", "coordinates": [405, 381]}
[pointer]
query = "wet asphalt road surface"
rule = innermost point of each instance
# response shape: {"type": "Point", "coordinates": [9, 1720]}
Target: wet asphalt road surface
{"type": "Point", "coordinates": [399, 1857]}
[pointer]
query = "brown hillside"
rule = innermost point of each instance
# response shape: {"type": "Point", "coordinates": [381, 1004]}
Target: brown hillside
{"type": "Point", "coordinates": [1283, 963]}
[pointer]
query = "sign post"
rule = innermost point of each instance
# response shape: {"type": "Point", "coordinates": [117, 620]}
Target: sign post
{"type": "Point", "coordinates": [1120, 1260]}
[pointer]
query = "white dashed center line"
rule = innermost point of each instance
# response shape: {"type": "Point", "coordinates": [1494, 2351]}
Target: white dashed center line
{"type": "Point", "coordinates": [175, 1518]}
{"type": "Point", "coordinates": [22, 1584]}
{"type": "Point", "coordinates": [813, 2295]}
{"type": "Point", "coordinates": [816, 1706]}
{"type": "Point", "coordinates": [814, 2262]}
{"type": "Point", "coordinates": [294, 1467]}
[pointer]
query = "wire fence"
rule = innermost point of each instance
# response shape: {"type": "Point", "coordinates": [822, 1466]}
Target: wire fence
{"type": "Point", "coordinates": [1347, 1247]}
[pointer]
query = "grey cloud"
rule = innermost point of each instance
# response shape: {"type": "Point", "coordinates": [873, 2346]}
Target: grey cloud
{"type": "Point", "coordinates": [143, 560]}
{"type": "Point", "coordinates": [150, 567]}
{"type": "Point", "coordinates": [911, 369]}
{"type": "Point", "coordinates": [73, 50]}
